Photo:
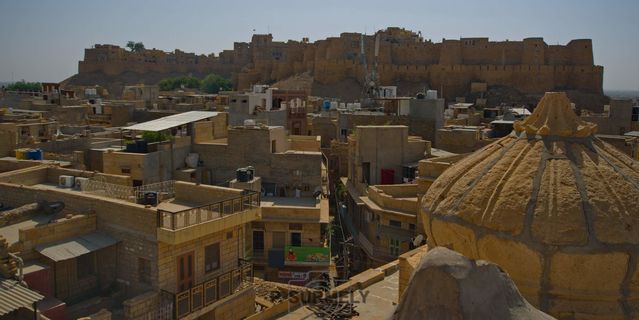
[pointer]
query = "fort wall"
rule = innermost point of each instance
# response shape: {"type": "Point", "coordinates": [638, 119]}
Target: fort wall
{"type": "Point", "coordinates": [402, 56]}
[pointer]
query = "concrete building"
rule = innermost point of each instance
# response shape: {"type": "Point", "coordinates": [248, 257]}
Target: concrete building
{"type": "Point", "coordinates": [162, 155]}
{"type": "Point", "coordinates": [619, 117]}
{"type": "Point", "coordinates": [381, 203]}
{"type": "Point", "coordinates": [269, 106]}
{"type": "Point", "coordinates": [426, 116]}
{"type": "Point", "coordinates": [24, 129]}
{"type": "Point", "coordinates": [462, 139]}
{"type": "Point", "coordinates": [180, 256]}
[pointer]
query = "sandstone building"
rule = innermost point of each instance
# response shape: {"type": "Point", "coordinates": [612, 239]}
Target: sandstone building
{"type": "Point", "coordinates": [404, 57]}
{"type": "Point", "coordinates": [180, 258]}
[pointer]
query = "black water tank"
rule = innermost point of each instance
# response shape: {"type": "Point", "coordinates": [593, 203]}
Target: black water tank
{"type": "Point", "coordinates": [142, 146]}
{"type": "Point", "coordinates": [251, 172]}
{"type": "Point", "coordinates": [151, 198]}
{"type": "Point", "coordinates": [242, 175]}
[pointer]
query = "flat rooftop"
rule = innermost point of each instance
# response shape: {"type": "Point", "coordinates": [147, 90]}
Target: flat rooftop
{"type": "Point", "coordinates": [379, 304]}
{"type": "Point", "coordinates": [290, 202]}
{"type": "Point", "coordinates": [11, 232]}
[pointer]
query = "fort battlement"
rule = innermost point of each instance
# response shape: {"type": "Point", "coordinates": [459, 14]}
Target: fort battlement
{"type": "Point", "coordinates": [449, 65]}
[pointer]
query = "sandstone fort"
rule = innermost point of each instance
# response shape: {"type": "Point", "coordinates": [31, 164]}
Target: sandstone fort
{"type": "Point", "coordinates": [403, 58]}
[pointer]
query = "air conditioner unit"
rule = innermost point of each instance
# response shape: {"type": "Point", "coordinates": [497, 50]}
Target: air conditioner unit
{"type": "Point", "coordinates": [66, 181]}
{"type": "Point", "coordinates": [79, 182]}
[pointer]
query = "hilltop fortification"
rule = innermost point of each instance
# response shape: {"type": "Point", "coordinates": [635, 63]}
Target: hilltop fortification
{"type": "Point", "coordinates": [530, 66]}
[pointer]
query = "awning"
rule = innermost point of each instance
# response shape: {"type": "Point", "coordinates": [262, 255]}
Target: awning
{"type": "Point", "coordinates": [75, 247]}
{"type": "Point", "coordinates": [172, 121]}
{"type": "Point", "coordinates": [13, 296]}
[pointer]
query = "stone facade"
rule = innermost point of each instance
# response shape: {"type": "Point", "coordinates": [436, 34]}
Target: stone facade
{"type": "Point", "coordinates": [450, 66]}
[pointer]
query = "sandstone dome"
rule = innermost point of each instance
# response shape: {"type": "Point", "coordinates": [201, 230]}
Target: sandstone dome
{"type": "Point", "coordinates": [554, 206]}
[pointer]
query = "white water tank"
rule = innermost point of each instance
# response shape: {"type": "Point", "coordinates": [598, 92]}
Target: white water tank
{"type": "Point", "coordinates": [431, 94]}
{"type": "Point", "coordinates": [249, 122]}
{"type": "Point", "coordinates": [192, 160]}
{"type": "Point", "coordinates": [66, 181]}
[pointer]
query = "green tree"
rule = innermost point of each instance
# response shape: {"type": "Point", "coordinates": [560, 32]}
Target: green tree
{"type": "Point", "coordinates": [167, 84]}
{"type": "Point", "coordinates": [214, 84]}
{"type": "Point", "coordinates": [25, 86]}
{"type": "Point", "coordinates": [135, 46]}
{"type": "Point", "coordinates": [171, 84]}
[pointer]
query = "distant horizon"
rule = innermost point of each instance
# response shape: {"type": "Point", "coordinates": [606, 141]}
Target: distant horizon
{"type": "Point", "coordinates": [50, 37]}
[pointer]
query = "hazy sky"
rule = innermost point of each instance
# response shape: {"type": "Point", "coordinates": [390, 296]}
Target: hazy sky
{"type": "Point", "coordinates": [43, 40]}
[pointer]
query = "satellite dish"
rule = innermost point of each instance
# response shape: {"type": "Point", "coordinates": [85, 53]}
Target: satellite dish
{"type": "Point", "coordinates": [418, 240]}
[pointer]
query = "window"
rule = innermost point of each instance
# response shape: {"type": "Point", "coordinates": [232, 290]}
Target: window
{"type": "Point", "coordinates": [212, 257]}
{"type": "Point", "coordinates": [296, 239]}
{"type": "Point", "coordinates": [273, 146]}
{"type": "Point", "coordinates": [258, 242]}
{"type": "Point", "coordinates": [86, 265]}
{"type": "Point", "coordinates": [395, 223]}
{"type": "Point", "coordinates": [144, 270]}
{"type": "Point", "coordinates": [344, 132]}
{"type": "Point", "coordinates": [126, 170]}
{"type": "Point", "coordinates": [295, 226]}
{"type": "Point", "coordinates": [229, 235]}
{"type": "Point", "coordinates": [411, 226]}
{"type": "Point", "coordinates": [394, 247]}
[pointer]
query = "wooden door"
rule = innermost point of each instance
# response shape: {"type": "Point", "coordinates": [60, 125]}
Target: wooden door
{"type": "Point", "coordinates": [185, 271]}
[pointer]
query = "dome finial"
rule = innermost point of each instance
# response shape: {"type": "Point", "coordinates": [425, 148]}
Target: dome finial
{"type": "Point", "coordinates": [554, 117]}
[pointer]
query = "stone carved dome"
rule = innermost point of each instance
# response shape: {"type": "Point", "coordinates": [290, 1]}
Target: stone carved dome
{"type": "Point", "coordinates": [554, 206]}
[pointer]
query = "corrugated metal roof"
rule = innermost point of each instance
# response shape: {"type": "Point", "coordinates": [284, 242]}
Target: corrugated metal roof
{"type": "Point", "coordinates": [172, 121]}
{"type": "Point", "coordinates": [13, 296]}
{"type": "Point", "coordinates": [75, 247]}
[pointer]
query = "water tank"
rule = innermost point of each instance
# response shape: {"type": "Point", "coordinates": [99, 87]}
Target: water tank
{"type": "Point", "coordinates": [242, 175]}
{"type": "Point", "coordinates": [431, 94]}
{"type": "Point", "coordinates": [150, 198]}
{"type": "Point", "coordinates": [249, 122]}
{"type": "Point", "coordinates": [192, 160]}
{"type": "Point", "coordinates": [34, 154]}
{"type": "Point", "coordinates": [141, 145]}
{"type": "Point", "coordinates": [327, 105]}
{"type": "Point", "coordinates": [22, 154]}
{"type": "Point", "coordinates": [250, 170]}
{"type": "Point", "coordinates": [131, 147]}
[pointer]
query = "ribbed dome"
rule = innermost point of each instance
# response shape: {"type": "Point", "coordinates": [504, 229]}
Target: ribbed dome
{"type": "Point", "coordinates": [551, 204]}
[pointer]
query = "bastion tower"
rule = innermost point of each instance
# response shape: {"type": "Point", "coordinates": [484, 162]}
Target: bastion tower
{"type": "Point", "coordinates": [554, 206]}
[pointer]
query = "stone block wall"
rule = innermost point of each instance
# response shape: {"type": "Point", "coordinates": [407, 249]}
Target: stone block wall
{"type": "Point", "coordinates": [103, 314]}
{"type": "Point", "coordinates": [133, 225]}
{"type": "Point", "coordinates": [231, 249]}
{"type": "Point", "coordinates": [141, 306]}
{"type": "Point", "coordinates": [62, 229]}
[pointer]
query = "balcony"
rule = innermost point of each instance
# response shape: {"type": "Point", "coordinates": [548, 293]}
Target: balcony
{"type": "Point", "coordinates": [202, 298]}
{"type": "Point", "coordinates": [186, 224]}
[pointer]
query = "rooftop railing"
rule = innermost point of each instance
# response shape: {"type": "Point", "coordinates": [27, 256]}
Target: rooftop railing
{"type": "Point", "coordinates": [193, 216]}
